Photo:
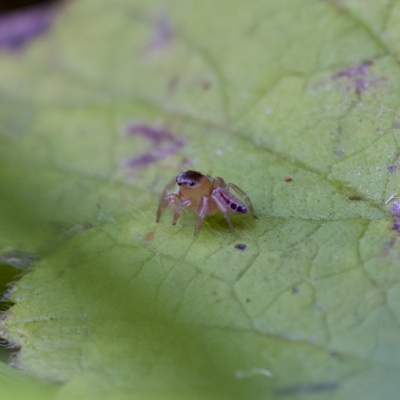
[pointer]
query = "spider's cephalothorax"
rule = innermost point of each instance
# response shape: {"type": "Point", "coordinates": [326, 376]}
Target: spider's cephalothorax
{"type": "Point", "coordinates": [195, 191]}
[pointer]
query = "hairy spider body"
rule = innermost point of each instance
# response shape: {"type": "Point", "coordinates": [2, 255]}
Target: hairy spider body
{"type": "Point", "coordinates": [195, 191]}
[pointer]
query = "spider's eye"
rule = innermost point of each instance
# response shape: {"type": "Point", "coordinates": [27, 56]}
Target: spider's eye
{"type": "Point", "coordinates": [189, 179]}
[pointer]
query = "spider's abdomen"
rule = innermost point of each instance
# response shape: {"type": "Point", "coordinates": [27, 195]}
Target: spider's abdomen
{"type": "Point", "coordinates": [237, 207]}
{"type": "Point", "coordinates": [233, 203]}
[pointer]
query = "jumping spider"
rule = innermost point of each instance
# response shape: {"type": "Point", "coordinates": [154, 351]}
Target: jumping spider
{"type": "Point", "coordinates": [195, 191]}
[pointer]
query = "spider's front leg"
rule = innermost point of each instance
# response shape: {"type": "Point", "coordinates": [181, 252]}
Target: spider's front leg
{"type": "Point", "coordinates": [202, 211]}
{"type": "Point", "coordinates": [185, 204]}
{"type": "Point", "coordinates": [165, 200]}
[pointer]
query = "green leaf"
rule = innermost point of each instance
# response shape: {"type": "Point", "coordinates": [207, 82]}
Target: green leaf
{"type": "Point", "coordinates": [16, 386]}
{"type": "Point", "coordinates": [296, 103]}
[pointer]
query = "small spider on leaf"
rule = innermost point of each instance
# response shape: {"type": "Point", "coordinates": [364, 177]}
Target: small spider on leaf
{"type": "Point", "coordinates": [195, 191]}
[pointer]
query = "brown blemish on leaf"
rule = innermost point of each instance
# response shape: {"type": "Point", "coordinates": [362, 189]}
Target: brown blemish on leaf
{"type": "Point", "coordinates": [150, 237]}
{"type": "Point", "coordinates": [356, 197]}
{"type": "Point", "coordinates": [162, 142]}
{"type": "Point", "coordinates": [61, 273]}
{"type": "Point", "coordinates": [173, 84]}
{"type": "Point", "coordinates": [206, 85]}
{"type": "Point", "coordinates": [336, 355]}
{"type": "Point", "coordinates": [76, 229]}
{"type": "Point", "coordinates": [338, 5]}
{"type": "Point", "coordinates": [202, 83]}
{"type": "Point", "coordinates": [185, 164]}
{"type": "Point", "coordinates": [288, 178]}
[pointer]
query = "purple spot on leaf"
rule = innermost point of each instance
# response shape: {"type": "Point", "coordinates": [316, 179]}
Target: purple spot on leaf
{"type": "Point", "coordinates": [145, 159]}
{"type": "Point", "coordinates": [163, 143]}
{"type": "Point", "coordinates": [396, 209]}
{"type": "Point", "coordinates": [360, 69]}
{"type": "Point", "coordinates": [391, 168]}
{"type": "Point", "coordinates": [358, 77]}
{"type": "Point", "coordinates": [241, 246]}
{"type": "Point", "coordinates": [152, 156]}
{"type": "Point", "coordinates": [163, 34]}
{"type": "Point", "coordinates": [362, 84]}
{"type": "Point", "coordinates": [150, 132]}
{"type": "Point", "coordinates": [396, 226]}
{"type": "Point", "coordinates": [17, 28]}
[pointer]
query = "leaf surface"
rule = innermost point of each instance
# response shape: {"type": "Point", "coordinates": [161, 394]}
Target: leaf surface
{"type": "Point", "coordinates": [297, 104]}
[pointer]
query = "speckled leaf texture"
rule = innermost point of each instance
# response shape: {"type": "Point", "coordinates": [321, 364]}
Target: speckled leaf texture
{"type": "Point", "coordinates": [296, 102]}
